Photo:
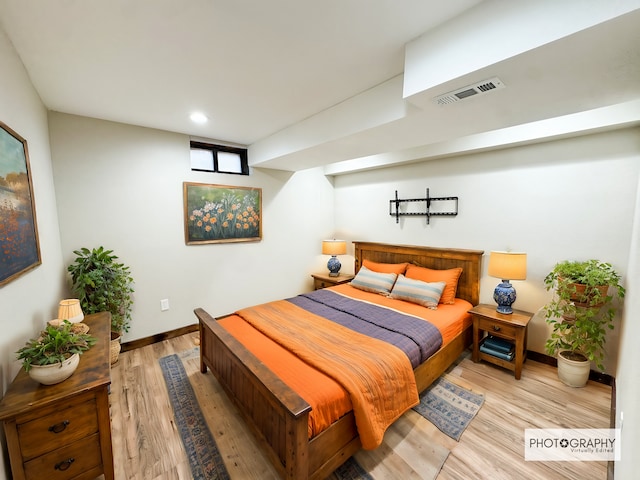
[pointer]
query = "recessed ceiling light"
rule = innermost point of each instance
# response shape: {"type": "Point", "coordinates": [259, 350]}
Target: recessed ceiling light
{"type": "Point", "coordinates": [198, 117]}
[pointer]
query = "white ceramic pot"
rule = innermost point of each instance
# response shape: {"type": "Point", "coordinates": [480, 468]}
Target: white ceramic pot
{"type": "Point", "coordinates": [571, 372]}
{"type": "Point", "coordinates": [55, 373]}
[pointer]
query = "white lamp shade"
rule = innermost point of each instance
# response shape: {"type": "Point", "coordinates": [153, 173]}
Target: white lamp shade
{"type": "Point", "coordinates": [334, 247]}
{"type": "Point", "coordinates": [508, 265]}
{"type": "Point", "coordinates": [70, 309]}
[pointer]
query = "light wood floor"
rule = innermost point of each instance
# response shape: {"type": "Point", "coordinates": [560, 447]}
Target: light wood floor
{"type": "Point", "coordinates": [147, 445]}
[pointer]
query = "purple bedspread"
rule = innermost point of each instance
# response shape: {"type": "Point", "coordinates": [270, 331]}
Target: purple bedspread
{"type": "Point", "coordinates": [417, 338]}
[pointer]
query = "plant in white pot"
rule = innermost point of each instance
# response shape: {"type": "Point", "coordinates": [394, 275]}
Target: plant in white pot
{"type": "Point", "coordinates": [55, 354]}
{"type": "Point", "coordinates": [580, 313]}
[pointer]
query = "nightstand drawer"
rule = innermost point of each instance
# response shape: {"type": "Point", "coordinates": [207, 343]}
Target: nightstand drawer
{"type": "Point", "coordinates": [497, 328]}
{"type": "Point", "coordinates": [318, 284]}
{"type": "Point", "coordinates": [58, 428]}
{"type": "Point", "coordinates": [323, 280]}
{"type": "Point", "coordinates": [66, 462]}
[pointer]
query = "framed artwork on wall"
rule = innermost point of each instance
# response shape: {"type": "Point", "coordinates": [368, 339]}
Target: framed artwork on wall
{"type": "Point", "coordinates": [19, 245]}
{"type": "Point", "coordinates": [221, 213]}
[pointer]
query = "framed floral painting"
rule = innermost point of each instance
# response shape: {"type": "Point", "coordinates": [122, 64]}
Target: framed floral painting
{"type": "Point", "coordinates": [19, 245]}
{"type": "Point", "coordinates": [221, 214]}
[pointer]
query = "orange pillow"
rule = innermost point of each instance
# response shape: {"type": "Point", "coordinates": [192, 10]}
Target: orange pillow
{"type": "Point", "coordinates": [450, 277]}
{"type": "Point", "coordinates": [397, 268]}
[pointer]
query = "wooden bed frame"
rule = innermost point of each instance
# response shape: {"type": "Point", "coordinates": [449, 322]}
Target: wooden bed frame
{"type": "Point", "coordinates": [278, 416]}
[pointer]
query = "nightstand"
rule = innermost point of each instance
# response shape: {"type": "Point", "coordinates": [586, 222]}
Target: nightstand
{"type": "Point", "coordinates": [512, 328]}
{"type": "Point", "coordinates": [323, 280]}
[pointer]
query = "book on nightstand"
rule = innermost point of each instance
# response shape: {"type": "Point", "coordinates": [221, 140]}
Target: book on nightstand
{"type": "Point", "coordinates": [499, 344]}
{"type": "Point", "coordinates": [497, 349]}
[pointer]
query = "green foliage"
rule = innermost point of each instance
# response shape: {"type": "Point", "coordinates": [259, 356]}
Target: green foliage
{"type": "Point", "coordinates": [54, 345]}
{"type": "Point", "coordinates": [582, 309]}
{"type": "Point", "coordinates": [103, 285]}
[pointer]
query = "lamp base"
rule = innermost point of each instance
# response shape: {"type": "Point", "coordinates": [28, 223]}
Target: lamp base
{"type": "Point", "coordinates": [504, 295]}
{"type": "Point", "coordinates": [334, 266]}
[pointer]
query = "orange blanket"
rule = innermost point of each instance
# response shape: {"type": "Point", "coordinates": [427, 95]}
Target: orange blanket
{"type": "Point", "coordinates": [378, 376]}
{"type": "Point", "coordinates": [328, 400]}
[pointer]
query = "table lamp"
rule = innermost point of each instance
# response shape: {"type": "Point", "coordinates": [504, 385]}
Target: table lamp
{"type": "Point", "coordinates": [507, 266]}
{"type": "Point", "coordinates": [69, 309]}
{"type": "Point", "coordinates": [333, 248]}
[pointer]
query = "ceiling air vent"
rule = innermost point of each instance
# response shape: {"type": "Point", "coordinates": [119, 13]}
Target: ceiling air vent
{"type": "Point", "coordinates": [469, 91]}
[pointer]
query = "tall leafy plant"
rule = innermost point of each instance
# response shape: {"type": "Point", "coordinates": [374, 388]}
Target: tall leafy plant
{"type": "Point", "coordinates": [102, 283]}
{"type": "Point", "coordinates": [582, 309]}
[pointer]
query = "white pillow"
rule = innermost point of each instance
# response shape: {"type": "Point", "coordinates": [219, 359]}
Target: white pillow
{"type": "Point", "coordinates": [416, 291]}
{"type": "Point", "coordinates": [371, 281]}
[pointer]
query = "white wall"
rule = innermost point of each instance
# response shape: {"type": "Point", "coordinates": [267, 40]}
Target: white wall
{"type": "Point", "coordinates": [628, 374]}
{"type": "Point", "coordinates": [30, 300]}
{"type": "Point", "coordinates": [120, 186]}
{"type": "Point", "coordinates": [568, 199]}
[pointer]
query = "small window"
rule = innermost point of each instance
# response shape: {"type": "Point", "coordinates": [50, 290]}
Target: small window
{"type": "Point", "coordinates": [208, 157]}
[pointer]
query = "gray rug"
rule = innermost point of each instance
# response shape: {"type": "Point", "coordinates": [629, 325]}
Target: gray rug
{"type": "Point", "coordinates": [351, 470]}
{"type": "Point", "coordinates": [449, 406]}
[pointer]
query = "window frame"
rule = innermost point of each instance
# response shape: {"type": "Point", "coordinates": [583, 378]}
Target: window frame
{"type": "Point", "coordinates": [214, 149]}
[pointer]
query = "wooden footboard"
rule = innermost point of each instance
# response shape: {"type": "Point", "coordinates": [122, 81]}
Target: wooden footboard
{"type": "Point", "coordinates": [278, 416]}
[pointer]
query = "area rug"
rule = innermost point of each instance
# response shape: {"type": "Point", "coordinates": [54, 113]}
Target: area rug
{"type": "Point", "coordinates": [204, 457]}
{"type": "Point", "coordinates": [351, 470]}
{"type": "Point", "coordinates": [449, 407]}
{"type": "Point", "coordinates": [411, 433]}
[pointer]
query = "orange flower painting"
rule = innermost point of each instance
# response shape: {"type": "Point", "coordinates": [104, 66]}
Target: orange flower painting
{"type": "Point", "coordinates": [221, 214]}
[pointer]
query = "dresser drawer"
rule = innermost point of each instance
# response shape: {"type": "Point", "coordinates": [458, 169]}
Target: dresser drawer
{"type": "Point", "coordinates": [58, 428]}
{"type": "Point", "coordinates": [66, 462]}
{"type": "Point", "coordinates": [497, 328]}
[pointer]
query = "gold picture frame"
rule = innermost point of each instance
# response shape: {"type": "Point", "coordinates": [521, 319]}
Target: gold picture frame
{"type": "Point", "coordinates": [19, 243]}
{"type": "Point", "coordinates": [221, 213]}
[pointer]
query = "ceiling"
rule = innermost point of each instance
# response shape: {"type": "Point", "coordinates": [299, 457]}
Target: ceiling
{"type": "Point", "coordinates": [304, 83]}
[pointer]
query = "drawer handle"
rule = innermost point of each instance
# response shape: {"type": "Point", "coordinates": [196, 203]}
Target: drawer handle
{"type": "Point", "coordinates": [59, 427]}
{"type": "Point", "coordinates": [65, 464]}
{"type": "Point", "coordinates": [496, 328]}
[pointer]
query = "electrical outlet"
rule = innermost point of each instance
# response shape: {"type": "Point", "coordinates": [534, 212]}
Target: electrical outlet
{"type": "Point", "coordinates": [164, 305]}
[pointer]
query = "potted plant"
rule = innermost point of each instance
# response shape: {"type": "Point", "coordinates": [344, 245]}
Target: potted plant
{"type": "Point", "coordinates": [102, 283]}
{"type": "Point", "coordinates": [55, 354]}
{"type": "Point", "coordinates": [580, 313]}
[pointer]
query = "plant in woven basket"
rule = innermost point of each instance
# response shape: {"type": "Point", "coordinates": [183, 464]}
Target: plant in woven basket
{"type": "Point", "coordinates": [102, 284]}
{"type": "Point", "coordinates": [54, 345]}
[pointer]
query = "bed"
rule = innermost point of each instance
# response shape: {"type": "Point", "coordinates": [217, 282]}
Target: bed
{"type": "Point", "coordinates": [278, 416]}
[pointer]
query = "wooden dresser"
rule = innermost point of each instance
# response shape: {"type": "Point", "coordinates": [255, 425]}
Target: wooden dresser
{"type": "Point", "coordinates": [63, 431]}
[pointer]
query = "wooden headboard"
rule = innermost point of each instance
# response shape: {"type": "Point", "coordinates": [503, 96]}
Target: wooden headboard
{"type": "Point", "coordinates": [430, 257]}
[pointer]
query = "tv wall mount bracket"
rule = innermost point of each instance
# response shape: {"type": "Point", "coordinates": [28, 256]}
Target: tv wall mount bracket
{"type": "Point", "coordinates": [394, 207]}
